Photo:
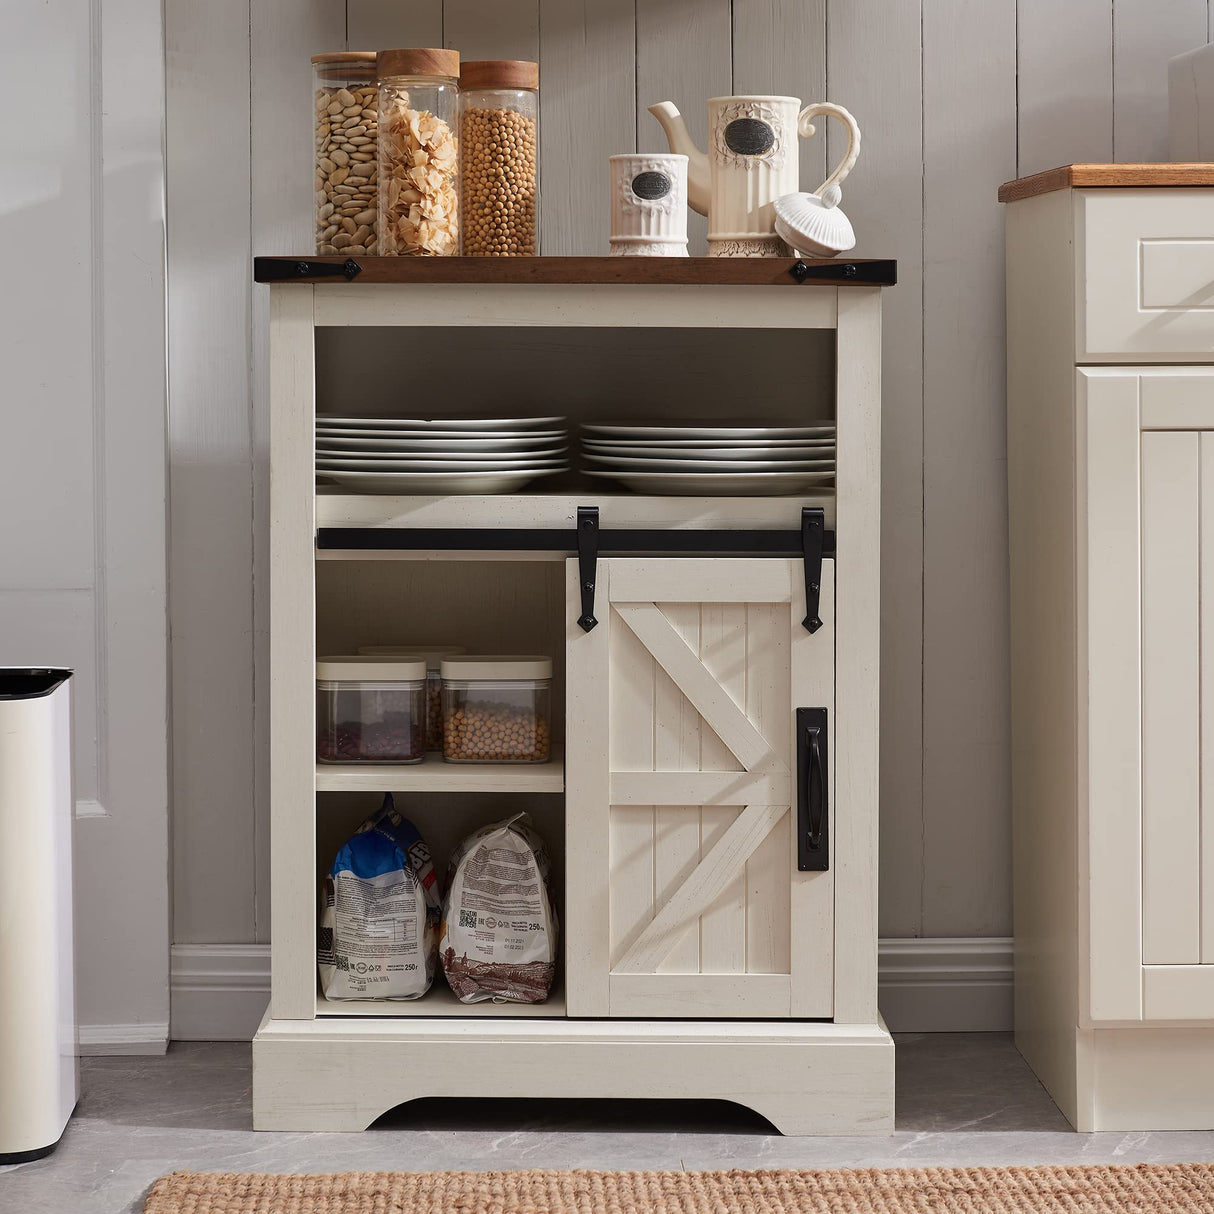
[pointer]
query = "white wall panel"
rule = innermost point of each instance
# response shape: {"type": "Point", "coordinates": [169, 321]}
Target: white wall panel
{"type": "Point", "coordinates": [683, 55]}
{"type": "Point", "coordinates": [969, 147]}
{"type": "Point", "coordinates": [1065, 72]}
{"type": "Point", "coordinates": [1146, 34]}
{"type": "Point", "coordinates": [887, 105]}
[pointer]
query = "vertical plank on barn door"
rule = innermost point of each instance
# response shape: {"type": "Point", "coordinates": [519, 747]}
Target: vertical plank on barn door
{"type": "Point", "coordinates": [780, 48]}
{"type": "Point", "coordinates": [284, 35]}
{"type": "Point", "coordinates": [376, 25]}
{"type": "Point", "coordinates": [587, 822]}
{"type": "Point", "coordinates": [725, 632]}
{"type": "Point", "coordinates": [1146, 34]}
{"type": "Point", "coordinates": [493, 29]}
{"type": "Point", "coordinates": [587, 113]}
{"type": "Point", "coordinates": [1064, 61]}
{"type": "Point", "coordinates": [682, 56]}
{"type": "Point", "coordinates": [632, 693]}
{"type": "Point", "coordinates": [1171, 699]}
{"type": "Point", "coordinates": [676, 828]}
{"type": "Point", "coordinates": [888, 105]}
{"type": "Point", "coordinates": [211, 489]}
{"type": "Point", "coordinates": [969, 117]}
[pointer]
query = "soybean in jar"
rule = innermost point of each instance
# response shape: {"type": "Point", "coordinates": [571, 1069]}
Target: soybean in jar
{"type": "Point", "coordinates": [497, 709]}
{"type": "Point", "coordinates": [499, 150]}
{"type": "Point", "coordinates": [419, 152]}
{"type": "Point", "coordinates": [346, 108]}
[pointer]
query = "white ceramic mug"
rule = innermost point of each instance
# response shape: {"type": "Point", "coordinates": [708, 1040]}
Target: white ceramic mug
{"type": "Point", "coordinates": [649, 205]}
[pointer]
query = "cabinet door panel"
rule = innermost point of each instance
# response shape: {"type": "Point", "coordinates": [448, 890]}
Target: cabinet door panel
{"type": "Point", "coordinates": [692, 825]}
{"type": "Point", "coordinates": [1171, 699]}
{"type": "Point", "coordinates": [1150, 668]}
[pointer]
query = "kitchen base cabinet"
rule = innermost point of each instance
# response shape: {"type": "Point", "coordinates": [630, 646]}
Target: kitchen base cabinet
{"type": "Point", "coordinates": [1111, 494]}
{"type": "Point", "coordinates": [710, 804]}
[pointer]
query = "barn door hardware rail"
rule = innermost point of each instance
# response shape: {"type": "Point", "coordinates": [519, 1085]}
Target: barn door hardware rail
{"type": "Point", "coordinates": [303, 269]}
{"type": "Point", "coordinates": [588, 541]}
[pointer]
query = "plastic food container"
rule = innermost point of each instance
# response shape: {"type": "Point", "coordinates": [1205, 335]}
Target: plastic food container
{"type": "Point", "coordinates": [499, 103]}
{"type": "Point", "coordinates": [433, 655]}
{"type": "Point", "coordinates": [371, 709]}
{"type": "Point", "coordinates": [419, 152]}
{"type": "Point", "coordinates": [497, 709]}
{"type": "Point", "coordinates": [346, 106]}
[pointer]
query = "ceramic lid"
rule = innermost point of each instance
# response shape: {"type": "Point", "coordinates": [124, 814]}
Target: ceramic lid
{"type": "Point", "coordinates": [362, 668]}
{"type": "Point", "coordinates": [813, 225]}
{"type": "Point", "coordinates": [497, 666]}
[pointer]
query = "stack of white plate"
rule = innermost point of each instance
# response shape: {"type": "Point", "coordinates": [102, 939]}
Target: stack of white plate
{"type": "Point", "coordinates": [438, 455]}
{"type": "Point", "coordinates": [712, 460]}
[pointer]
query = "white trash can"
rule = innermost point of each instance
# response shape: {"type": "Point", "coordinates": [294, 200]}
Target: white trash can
{"type": "Point", "coordinates": [39, 1080]}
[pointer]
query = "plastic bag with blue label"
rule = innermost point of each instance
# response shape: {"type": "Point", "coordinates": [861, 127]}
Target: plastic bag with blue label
{"type": "Point", "coordinates": [378, 935]}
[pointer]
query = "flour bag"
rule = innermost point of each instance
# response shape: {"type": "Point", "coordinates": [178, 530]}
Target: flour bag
{"type": "Point", "coordinates": [499, 932]}
{"type": "Point", "coordinates": [378, 935]}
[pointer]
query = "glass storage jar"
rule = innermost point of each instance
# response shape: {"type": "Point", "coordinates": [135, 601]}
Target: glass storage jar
{"type": "Point", "coordinates": [347, 151]}
{"type": "Point", "coordinates": [371, 710]}
{"type": "Point", "coordinates": [497, 709]}
{"type": "Point", "coordinates": [418, 152]}
{"type": "Point", "coordinates": [499, 105]}
{"type": "Point", "coordinates": [433, 655]}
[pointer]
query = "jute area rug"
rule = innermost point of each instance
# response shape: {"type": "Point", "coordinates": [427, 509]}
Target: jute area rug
{"type": "Point", "coordinates": [1145, 1189]}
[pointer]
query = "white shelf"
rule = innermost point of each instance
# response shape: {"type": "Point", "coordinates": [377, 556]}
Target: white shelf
{"type": "Point", "coordinates": [439, 1001]}
{"type": "Point", "coordinates": [434, 775]}
{"type": "Point", "coordinates": [559, 510]}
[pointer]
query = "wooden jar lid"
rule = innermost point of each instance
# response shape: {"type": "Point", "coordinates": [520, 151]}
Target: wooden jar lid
{"type": "Point", "coordinates": [418, 61]}
{"type": "Point", "coordinates": [360, 57]}
{"type": "Point", "coordinates": [499, 74]}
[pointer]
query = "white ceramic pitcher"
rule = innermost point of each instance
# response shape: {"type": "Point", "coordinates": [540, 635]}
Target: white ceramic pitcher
{"type": "Point", "coordinates": [752, 160]}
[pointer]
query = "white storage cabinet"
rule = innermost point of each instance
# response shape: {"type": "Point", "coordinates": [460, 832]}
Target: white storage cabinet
{"type": "Point", "coordinates": [699, 958]}
{"type": "Point", "coordinates": [1111, 474]}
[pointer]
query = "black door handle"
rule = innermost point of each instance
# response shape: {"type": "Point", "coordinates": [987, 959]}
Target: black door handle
{"type": "Point", "coordinates": [813, 801]}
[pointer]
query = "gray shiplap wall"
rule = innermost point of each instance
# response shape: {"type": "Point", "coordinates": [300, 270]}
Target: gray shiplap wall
{"type": "Point", "coordinates": [954, 96]}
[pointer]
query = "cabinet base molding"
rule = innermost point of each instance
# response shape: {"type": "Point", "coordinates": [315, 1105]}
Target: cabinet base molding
{"type": "Point", "coordinates": [341, 1074]}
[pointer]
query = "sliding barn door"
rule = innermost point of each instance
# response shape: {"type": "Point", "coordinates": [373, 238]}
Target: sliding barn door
{"type": "Point", "coordinates": [684, 897]}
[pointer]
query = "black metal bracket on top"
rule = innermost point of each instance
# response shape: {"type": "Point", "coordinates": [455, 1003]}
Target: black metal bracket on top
{"type": "Point", "coordinates": [812, 542]}
{"type": "Point", "coordinates": [881, 273]}
{"type": "Point", "coordinates": [278, 269]}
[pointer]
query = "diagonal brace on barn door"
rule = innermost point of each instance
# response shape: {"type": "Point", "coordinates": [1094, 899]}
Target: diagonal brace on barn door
{"type": "Point", "coordinates": [703, 885]}
{"type": "Point", "coordinates": [698, 684]}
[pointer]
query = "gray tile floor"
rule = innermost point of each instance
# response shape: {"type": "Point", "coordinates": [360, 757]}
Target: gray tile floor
{"type": "Point", "coordinates": [963, 1099]}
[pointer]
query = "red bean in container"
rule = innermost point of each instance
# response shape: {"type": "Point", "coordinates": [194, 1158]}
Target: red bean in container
{"type": "Point", "coordinates": [370, 709]}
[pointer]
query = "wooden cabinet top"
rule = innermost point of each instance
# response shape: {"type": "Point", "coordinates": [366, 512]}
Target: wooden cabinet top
{"type": "Point", "coordinates": [1108, 176]}
{"type": "Point", "coordinates": [656, 271]}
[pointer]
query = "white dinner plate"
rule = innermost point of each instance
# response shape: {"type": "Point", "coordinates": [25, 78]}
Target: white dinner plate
{"type": "Point", "coordinates": [464, 442]}
{"type": "Point", "coordinates": [704, 444]}
{"type": "Point", "coordinates": [742, 484]}
{"type": "Point", "coordinates": [717, 467]}
{"type": "Point", "coordinates": [725, 454]}
{"type": "Point", "coordinates": [505, 458]}
{"type": "Point", "coordinates": [462, 425]}
{"type": "Point", "coordinates": [436, 466]}
{"type": "Point", "coordinates": [601, 430]}
{"type": "Point", "coordinates": [435, 484]}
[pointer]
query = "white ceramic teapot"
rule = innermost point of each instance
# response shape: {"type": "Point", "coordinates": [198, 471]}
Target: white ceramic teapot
{"type": "Point", "coordinates": [752, 160]}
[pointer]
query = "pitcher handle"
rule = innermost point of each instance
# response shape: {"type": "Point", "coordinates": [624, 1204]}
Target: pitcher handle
{"type": "Point", "coordinates": [806, 129]}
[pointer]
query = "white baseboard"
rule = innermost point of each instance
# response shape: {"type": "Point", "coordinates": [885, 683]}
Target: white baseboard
{"type": "Point", "coordinates": [943, 985]}
{"type": "Point", "coordinates": [144, 1038]}
{"type": "Point", "coordinates": [947, 985]}
{"type": "Point", "coordinates": [218, 992]}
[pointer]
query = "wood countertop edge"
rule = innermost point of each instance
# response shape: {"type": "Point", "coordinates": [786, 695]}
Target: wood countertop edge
{"type": "Point", "coordinates": [657, 271]}
{"type": "Point", "coordinates": [1107, 176]}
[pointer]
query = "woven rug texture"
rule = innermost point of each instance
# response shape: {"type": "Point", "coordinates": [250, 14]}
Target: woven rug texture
{"type": "Point", "coordinates": [1145, 1189]}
